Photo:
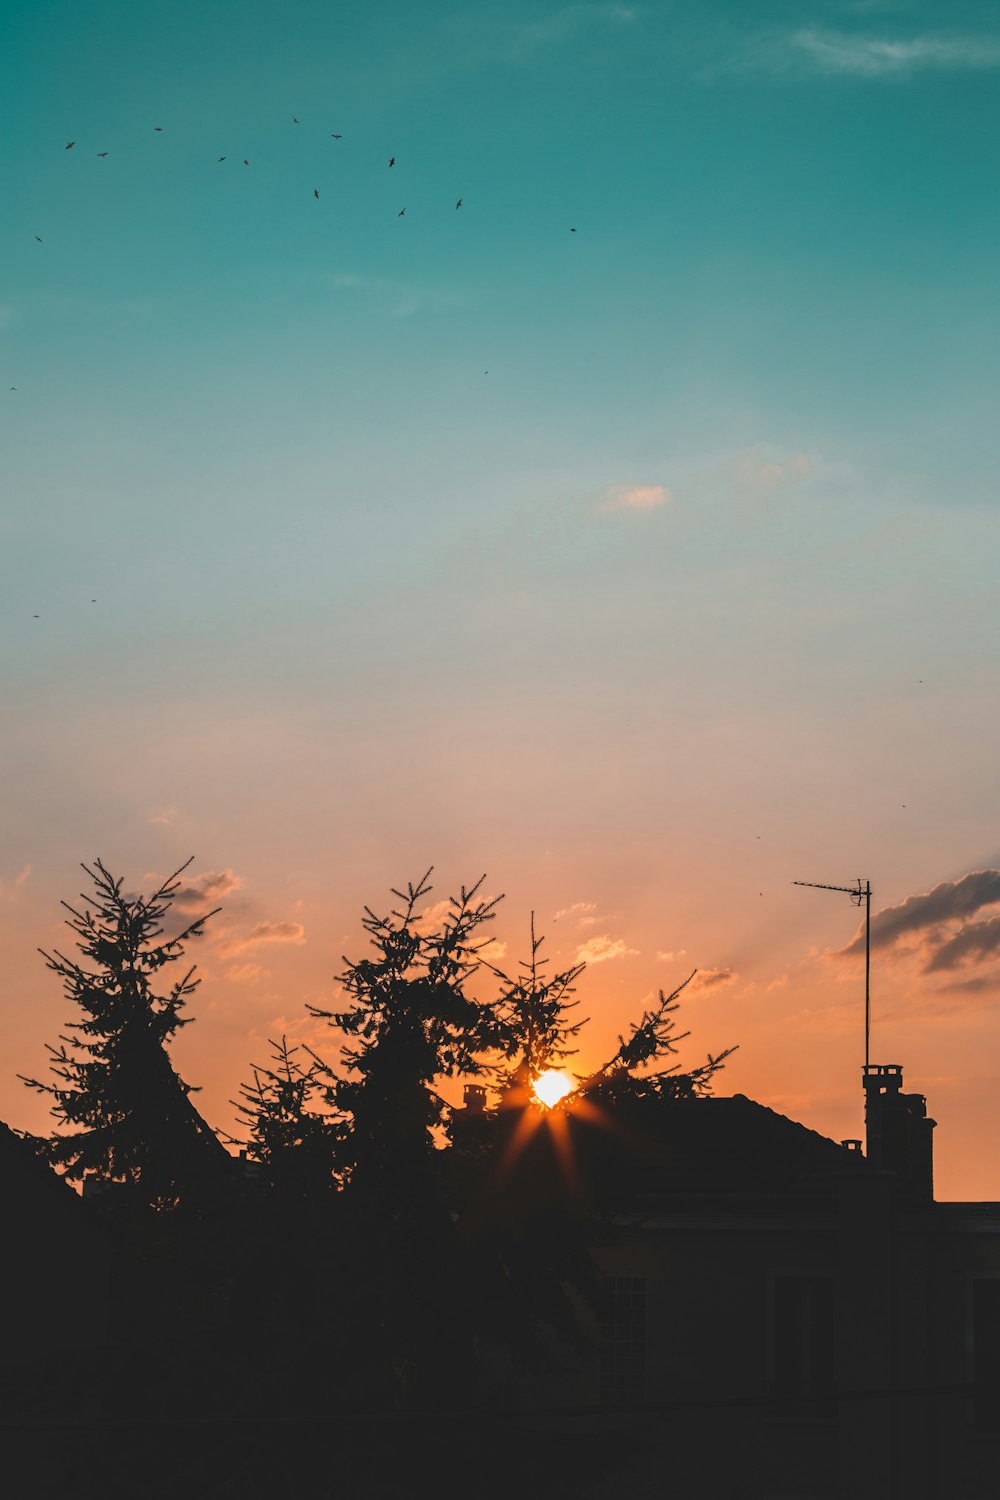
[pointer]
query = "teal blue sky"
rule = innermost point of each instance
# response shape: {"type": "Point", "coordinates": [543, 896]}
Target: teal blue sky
{"type": "Point", "coordinates": [629, 531]}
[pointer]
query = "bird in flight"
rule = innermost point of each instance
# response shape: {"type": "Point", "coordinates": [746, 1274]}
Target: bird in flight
{"type": "Point", "coordinates": [221, 158]}
{"type": "Point", "coordinates": [13, 387]}
{"type": "Point", "coordinates": [402, 211]}
{"type": "Point", "coordinates": [102, 153]}
{"type": "Point", "coordinates": [39, 239]}
{"type": "Point", "coordinates": [315, 192]}
{"type": "Point", "coordinates": [392, 161]}
{"type": "Point", "coordinates": [158, 129]}
{"type": "Point", "coordinates": [572, 231]}
{"type": "Point", "coordinates": [296, 120]}
{"type": "Point", "coordinates": [459, 203]}
{"type": "Point", "coordinates": [335, 137]}
{"type": "Point", "coordinates": [69, 145]}
{"type": "Point", "coordinates": [245, 162]}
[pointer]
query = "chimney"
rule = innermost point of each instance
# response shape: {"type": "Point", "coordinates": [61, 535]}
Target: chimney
{"type": "Point", "coordinates": [900, 1136]}
{"type": "Point", "coordinates": [474, 1098]}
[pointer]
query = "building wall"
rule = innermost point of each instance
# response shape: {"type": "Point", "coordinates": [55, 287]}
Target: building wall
{"type": "Point", "coordinates": [903, 1424]}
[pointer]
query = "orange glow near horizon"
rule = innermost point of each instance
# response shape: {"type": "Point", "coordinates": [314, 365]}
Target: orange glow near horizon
{"type": "Point", "coordinates": [552, 1085]}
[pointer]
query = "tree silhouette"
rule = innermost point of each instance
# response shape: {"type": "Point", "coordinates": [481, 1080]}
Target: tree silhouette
{"type": "Point", "coordinates": [409, 1023]}
{"type": "Point", "coordinates": [414, 1024]}
{"type": "Point", "coordinates": [651, 1039]}
{"type": "Point", "coordinates": [124, 1115]}
{"type": "Point", "coordinates": [295, 1147]}
{"type": "Point", "coordinates": [533, 1015]}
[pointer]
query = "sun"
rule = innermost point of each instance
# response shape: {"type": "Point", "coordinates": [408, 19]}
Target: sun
{"type": "Point", "coordinates": [553, 1085]}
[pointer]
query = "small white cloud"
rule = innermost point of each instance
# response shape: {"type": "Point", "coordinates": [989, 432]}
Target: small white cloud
{"type": "Point", "coordinates": [668, 957]}
{"type": "Point", "coordinates": [633, 497]}
{"type": "Point", "coordinates": [163, 816]}
{"type": "Point", "coordinates": [780, 983]}
{"type": "Point", "coordinates": [492, 951]}
{"type": "Point", "coordinates": [599, 950]}
{"type": "Point", "coordinates": [578, 912]}
{"type": "Point", "coordinates": [433, 916]}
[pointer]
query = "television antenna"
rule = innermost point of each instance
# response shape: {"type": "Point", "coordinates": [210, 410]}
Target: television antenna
{"type": "Point", "coordinates": [857, 893]}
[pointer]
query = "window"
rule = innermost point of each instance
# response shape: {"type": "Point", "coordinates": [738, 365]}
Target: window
{"type": "Point", "coordinates": [623, 1340]}
{"type": "Point", "coordinates": [986, 1353]}
{"type": "Point", "coordinates": [803, 1346]}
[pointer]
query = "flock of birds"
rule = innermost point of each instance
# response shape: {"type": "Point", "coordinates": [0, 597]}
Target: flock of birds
{"type": "Point", "coordinates": [334, 135]}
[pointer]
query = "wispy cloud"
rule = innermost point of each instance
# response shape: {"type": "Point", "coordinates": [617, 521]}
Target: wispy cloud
{"type": "Point", "coordinates": [244, 973]}
{"type": "Point", "coordinates": [971, 944]}
{"type": "Point", "coordinates": [399, 299]}
{"type": "Point", "coordinates": [492, 951]}
{"type": "Point", "coordinates": [580, 912]}
{"type": "Point", "coordinates": [599, 950]}
{"type": "Point", "coordinates": [434, 916]}
{"type": "Point", "coordinates": [565, 25]}
{"type": "Point", "coordinates": [20, 879]}
{"type": "Point", "coordinates": [711, 979]}
{"type": "Point", "coordinates": [633, 497]}
{"type": "Point", "coordinates": [209, 886]}
{"type": "Point", "coordinates": [262, 932]}
{"type": "Point", "coordinates": [763, 469]}
{"type": "Point", "coordinates": [952, 900]}
{"type": "Point", "coordinates": [859, 56]}
{"type": "Point", "coordinates": [934, 925]}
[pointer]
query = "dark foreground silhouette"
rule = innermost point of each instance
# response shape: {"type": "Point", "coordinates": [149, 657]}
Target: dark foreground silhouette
{"type": "Point", "coordinates": [642, 1290]}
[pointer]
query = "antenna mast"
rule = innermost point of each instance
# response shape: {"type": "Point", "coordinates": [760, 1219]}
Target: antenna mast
{"type": "Point", "coordinates": [857, 893]}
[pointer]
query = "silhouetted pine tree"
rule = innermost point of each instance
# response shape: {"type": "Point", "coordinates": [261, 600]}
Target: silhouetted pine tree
{"type": "Point", "coordinates": [288, 1265]}
{"type": "Point", "coordinates": [527, 1230]}
{"type": "Point", "coordinates": [409, 1023]}
{"type": "Point", "coordinates": [535, 1031]}
{"type": "Point", "coordinates": [627, 1079]}
{"type": "Point", "coordinates": [294, 1147]}
{"type": "Point", "coordinates": [124, 1115]}
{"type": "Point", "coordinates": [414, 1024]}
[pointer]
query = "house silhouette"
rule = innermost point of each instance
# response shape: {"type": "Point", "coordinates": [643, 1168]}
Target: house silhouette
{"type": "Point", "coordinates": [781, 1316]}
{"type": "Point", "coordinates": [786, 1317]}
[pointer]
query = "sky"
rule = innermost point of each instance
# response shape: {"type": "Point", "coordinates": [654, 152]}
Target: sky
{"type": "Point", "coordinates": [628, 533]}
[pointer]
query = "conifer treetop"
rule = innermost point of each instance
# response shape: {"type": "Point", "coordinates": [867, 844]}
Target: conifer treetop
{"type": "Point", "coordinates": [123, 1113]}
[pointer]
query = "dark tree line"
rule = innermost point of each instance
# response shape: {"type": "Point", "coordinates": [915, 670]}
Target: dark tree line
{"type": "Point", "coordinates": [372, 1246]}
